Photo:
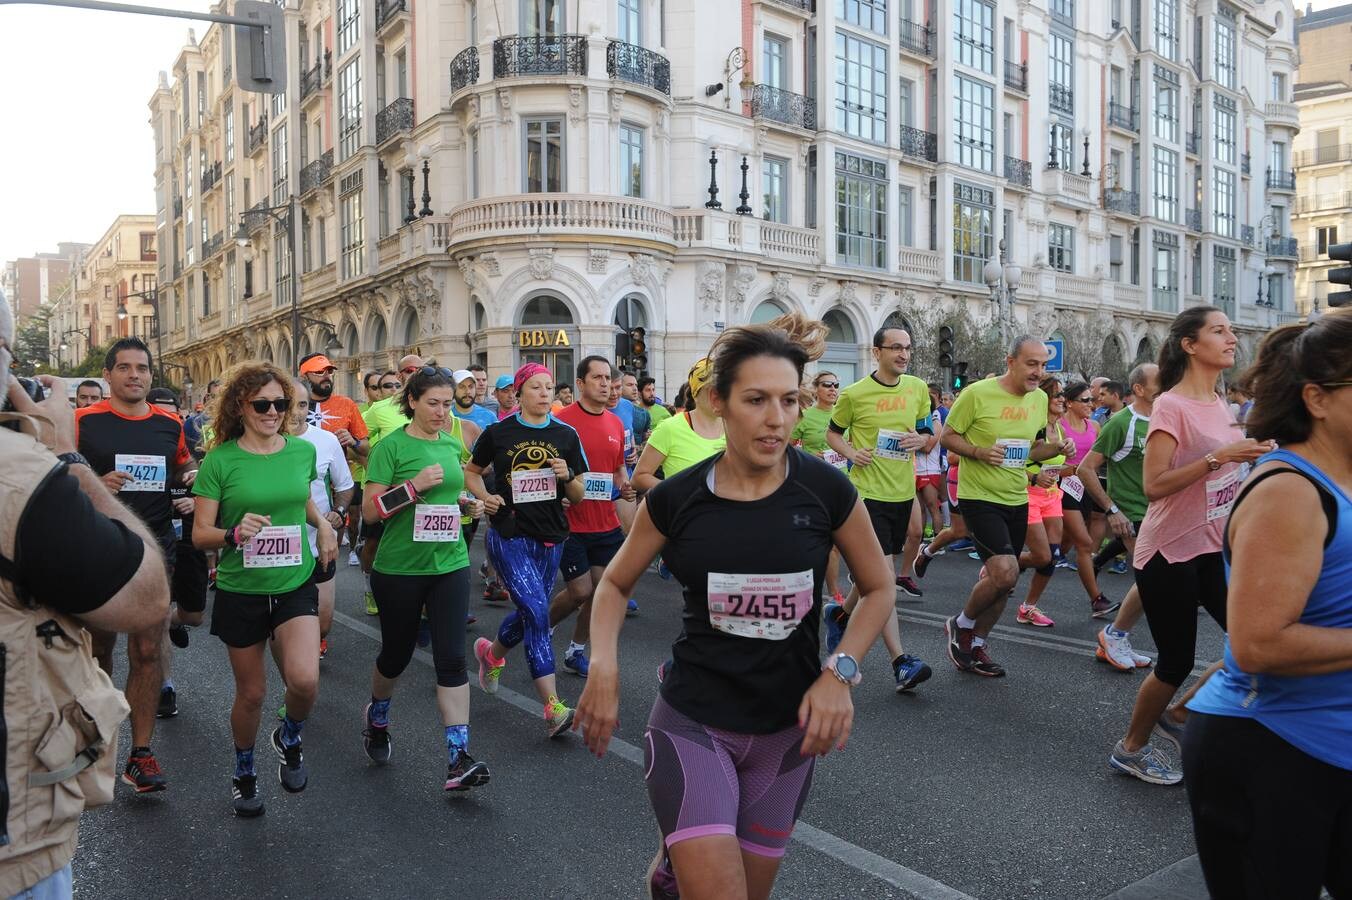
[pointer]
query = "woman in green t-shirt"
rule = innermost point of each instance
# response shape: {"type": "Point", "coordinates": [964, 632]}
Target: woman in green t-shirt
{"type": "Point", "coordinates": [253, 502]}
{"type": "Point", "coordinates": [415, 485]}
{"type": "Point", "coordinates": [810, 433]}
{"type": "Point", "coordinates": [686, 438]}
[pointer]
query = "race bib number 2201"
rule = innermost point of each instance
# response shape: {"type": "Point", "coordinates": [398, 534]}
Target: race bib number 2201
{"type": "Point", "coordinates": [274, 547]}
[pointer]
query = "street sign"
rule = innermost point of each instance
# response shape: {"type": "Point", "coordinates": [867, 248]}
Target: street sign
{"type": "Point", "coordinates": [1056, 352]}
{"type": "Point", "coordinates": [260, 49]}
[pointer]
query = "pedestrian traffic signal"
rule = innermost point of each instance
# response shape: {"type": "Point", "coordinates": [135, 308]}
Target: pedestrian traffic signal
{"type": "Point", "coordinates": [1342, 253]}
{"type": "Point", "coordinates": [945, 347]}
{"type": "Point", "coordinates": [638, 349]}
{"type": "Point", "coordinates": [959, 376]}
{"type": "Point", "coordinates": [621, 348]}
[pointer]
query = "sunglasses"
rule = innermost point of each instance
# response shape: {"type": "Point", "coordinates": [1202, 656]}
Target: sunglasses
{"type": "Point", "coordinates": [436, 370]}
{"type": "Point", "coordinates": [832, 385]}
{"type": "Point", "coordinates": [390, 385]}
{"type": "Point", "coordinates": [408, 370]}
{"type": "Point", "coordinates": [281, 405]}
{"type": "Point", "coordinates": [1083, 400]}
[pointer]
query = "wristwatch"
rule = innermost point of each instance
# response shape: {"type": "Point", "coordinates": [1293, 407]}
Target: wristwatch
{"type": "Point", "coordinates": [845, 668]}
{"type": "Point", "coordinates": [1212, 462]}
{"type": "Point", "coordinates": [1113, 510]}
{"type": "Point", "coordinates": [74, 458]}
{"type": "Point", "coordinates": [571, 476]}
{"type": "Point", "coordinates": [341, 510]}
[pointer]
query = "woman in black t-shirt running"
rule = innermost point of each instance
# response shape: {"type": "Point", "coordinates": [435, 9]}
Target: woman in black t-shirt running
{"type": "Point", "coordinates": [747, 704]}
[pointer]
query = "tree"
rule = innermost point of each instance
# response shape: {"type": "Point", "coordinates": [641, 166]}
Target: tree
{"type": "Point", "coordinates": [32, 350]}
{"type": "Point", "coordinates": [975, 343]}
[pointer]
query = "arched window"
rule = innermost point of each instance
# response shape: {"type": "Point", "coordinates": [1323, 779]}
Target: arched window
{"type": "Point", "coordinates": [1145, 351]}
{"type": "Point", "coordinates": [768, 310]}
{"type": "Point", "coordinates": [842, 347]}
{"type": "Point", "coordinates": [842, 329]}
{"type": "Point", "coordinates": [351, 342]}
{"type": "Point", "coordinates": [629, 313]}
{"type": "Point", "coordinates": [546, 309]}
{"type": "Point", "coordinates": [897, 320]}
{"type": "Point", "coordinates": [480, 316]}
{"type": "Point", "coordinates": [378, 336]}
{"type": "Point", "coordinates": [409, 333]}
{"type": "Point", "coordinates": [1114, 363]}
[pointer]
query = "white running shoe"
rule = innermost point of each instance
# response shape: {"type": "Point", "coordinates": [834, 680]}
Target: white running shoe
{"type": "Point", "coordinates": [353, 559]}
{"type": "Point", "coordinates": [1115, 651]}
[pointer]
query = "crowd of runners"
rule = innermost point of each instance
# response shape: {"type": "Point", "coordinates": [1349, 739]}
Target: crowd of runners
{"type": "Point", "coordinates": [791, 509]}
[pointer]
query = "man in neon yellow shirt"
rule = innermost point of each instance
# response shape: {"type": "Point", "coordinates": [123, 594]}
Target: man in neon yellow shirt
{"type": "Point", "coordinates": [383, 417]}
{"type": "Point", "coordinates": [887, 416]}
{"type": "Point", "coordinates": [998, 427]}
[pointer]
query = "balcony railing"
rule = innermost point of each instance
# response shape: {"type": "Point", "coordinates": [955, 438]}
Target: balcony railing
{"type": "Point", "coordinates": [386, 10]}
{"type": "Point", "coordinates": [533, 214]}
{"type": "Point", "coordinates": [556, 54]}
{"type": "Point", "coordinates": [255, 217]}
{"type": "Point", "coordinates": [1194, 142]}
{"type": "Point", "coordinates": [1193, 218]}
{"type": "Point", "coordinates": [1019, 172]}
{"type": "Point", "coordinates": [1322, 156]}
{"type": "Point", "coordinates": [783, 106]}
{"type": "Point", "coordinates": [800, 5]}
{"type": "Point", "coordinates": [178, 269]}
{"type": "Point", "coordinates": [258, 135]}
{"type": "Point", "coordinates": [1067, 187]}
{"type": "Point", "coordinates": [1062, 99]}
{"type": "Point", "coordinates": [1279, 113]}
{"type": "Point", "coordinates": [1281, 179]}
{"type": "Point", "coordinates": [397, 118]}
{"type": "Point", "coordinates": [918, 144]}
{"type": "Point", "coordinates": [465, 69]}
{"type": "Point", "coordinates": [919, 263]}
{"type": "Point", "coordinates": [1123, 117]}
{"type": "Point", "coordinates": [211, 176]}
{"type": "Point", "coordinates": [313, 78]}
{"type": "Point", "coordinates": [1245, 164]}
{"type": "Point", "coordinates": [916, 38]}
{"type": "Point", "coordinates": [638, 65]}
{"type": "Point", "coordinates": [1324, 201]}
{"type": "Point", "coordinates": [1165, 300]}
{"type": "Point", "coordinates": [213, 245]}
{"type": "Point", "coordinates": [178, 207]}
{"type": "Point", "coordinates": [1118, 200]}
{"type": "Point", "coordinates": [1283, 247]}
{"type": "Point", "coordinates": [1016, 75]}
{"type": "Point", "coordinates": [1246, 236]}
{"type": "Point", "coordinates": [316, 173]}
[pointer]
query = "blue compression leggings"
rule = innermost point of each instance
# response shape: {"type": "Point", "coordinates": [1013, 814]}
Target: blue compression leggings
{"type": "Point", "coordinates": [528, 569]}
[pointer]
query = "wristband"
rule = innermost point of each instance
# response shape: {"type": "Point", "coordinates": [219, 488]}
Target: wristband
{"type": "Point", "coordinates": [230, 538]}
{"type": "Point", "coordinates": [413, 492]}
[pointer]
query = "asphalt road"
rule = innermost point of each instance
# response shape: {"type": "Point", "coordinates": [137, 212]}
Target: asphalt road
{"type": "Point", "coordinates": [986, 788]}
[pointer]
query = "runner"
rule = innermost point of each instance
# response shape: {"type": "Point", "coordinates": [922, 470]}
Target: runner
{"type": "Point", "coordinates": [417, 487]}
{"type": "Point", "coordinates": [331, 474]}
{"type": "Point", "coordinates": [994, 427]}
{"type": "Point", "coordinates": [954, 534]}
{"type": "Point", "coordinates": [478, 418]}
{"type": "Point", "coordinates": [1080, 426]}
{"type": "Point", "coordinates": [139, 452]}
{"type": "Point", "coordinates": [1190, 476]}
{"type": "Point", "coordinates": [887, 417]}
{"type": "Point", "coordinates": [643, 422]}
{"type": "Point", "coordinates": [562, 397]}
{"type": "Point", "coordinates": [1108, 400]}
{"type": "Point", "coordinates": [88, 393]}
{"type": "Point", "coordinates": [929, 469]}
{"type": "Point", "coordinates": [504, 397]}
{"type": "Point", "coordinates": [810, 434]}
{"type": "Point", "coordinates": [253, 497]}
{"type": "Point", "coordinates": [481, 393]}
{"type": "Point", "coordinates": [371, 388]}
{"type": "Point", "coordinates": [1268, 749]}
{"type": "Point", "coordinates": [748, 705]}
{"type": "Point", "coordinates": [1121, 445]}
{"type": "Point", "coordinates": [685, 439]}
{"type": "Point", "coordinates": [465, 407]}
{"type": "Point", "coordinates": [535, 459]}
{"type": "Point", "coordinates": [647, 394]}
{"type": "Point", "coordinates": [332, 412]}
{"type": "Point", "coordinates": [1043, 540]}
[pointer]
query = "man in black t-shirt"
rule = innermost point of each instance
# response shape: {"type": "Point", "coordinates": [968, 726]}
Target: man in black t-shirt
{"type": "Point", "coordinates": [139, 452]}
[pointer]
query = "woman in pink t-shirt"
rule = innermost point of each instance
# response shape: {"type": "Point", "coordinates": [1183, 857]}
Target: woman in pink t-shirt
{"type": "Point", "coordinates": [1191, 474]}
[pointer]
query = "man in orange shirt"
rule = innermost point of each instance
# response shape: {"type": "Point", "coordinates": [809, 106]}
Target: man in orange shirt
{"type": "Point", "coordinates": [332, 412]}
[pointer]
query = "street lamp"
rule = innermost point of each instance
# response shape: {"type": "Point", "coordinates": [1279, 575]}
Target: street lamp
{"type": "Point", "coordinates": [1003, 280]}
{"type": "Point", "coordinates": [152, 299]}
{"type": "Point", "coordinates": [1263, 276]}
{"type": "Point", "coordinates": [64, 345]}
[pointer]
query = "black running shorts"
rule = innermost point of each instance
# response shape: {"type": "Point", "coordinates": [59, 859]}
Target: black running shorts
{"type": "Point", "coordinates": [243, 620]}
{"type": "Point", "coordinates": [995, 529]}
{"type": "Point", "coordinates": [890, 522]}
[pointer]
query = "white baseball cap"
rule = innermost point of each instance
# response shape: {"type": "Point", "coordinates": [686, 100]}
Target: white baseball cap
{"type": "Point", "coordinates": [460, 375]}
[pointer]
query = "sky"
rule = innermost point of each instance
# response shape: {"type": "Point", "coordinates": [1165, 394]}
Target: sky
{"type": "Point", "coordinates": [77, 149]}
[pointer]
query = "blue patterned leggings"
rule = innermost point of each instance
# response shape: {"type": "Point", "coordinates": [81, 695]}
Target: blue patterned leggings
{"type": "Point", "coordinates": [528, 569]}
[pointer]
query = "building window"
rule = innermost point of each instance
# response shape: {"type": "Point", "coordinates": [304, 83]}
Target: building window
{"type": "Point", "coordinates": [973, 231]}
{"type": "Point", "coordinates": [1224, 112]}
{"type": "Point", "coordinates": [278, 105]}
{"type": "Point", "coordinates": [1225, 51]}
{"type": "Point", "coordinates": [1062, 73]}
{"type": "Point", "coordinates": [774, 61]}
{"type": "Point", "coordinates": [630, 20]}
{"type": "Point", "coordinates": [861, 88]}
{"type": "Point", "coordinates": [1063, 137]}
{"type": "Point", "coordinates": [631, 161]}
{"type": "Point", "coordinates": [1063, 10]}
{"type": "Point", "coordinates": [349, 108]}
{"type": "Point", "coordinates": [281, 269]}
{"type": "Point", "coordinates": [1166, 184]}
{"type": "Point", "coordinates": [775, 189]}
{"type": "Point", "coordinates": [279, 166]}
{"type": "Point", "coordinates": [1165, 276]}
{"type": "Point", "coordinates": [974, 34]}
{"type": "Point", "coordinates": [1166, 29]}
{"type": "Point", "coordinates": [230, 223]}
{"type": "Point", "coordinates": [870, 15]}
{"type": "Point", "coordinates": [307, 257]}
{"type": "Point", "coordinates": [861, 211]}
{"type": "Point", "coordinates": [906, 216]}
{"type": "Point", "coordinates": [1165, 106]}
{"type": "Point", "coordinates": [201, 97]}
{"type": "Point", "coordinates": [974, 134]}
{"type": "Point", "coordinates": [544, 172]}
{"type": "Point", "coordinates": [1278, 87]}
{"type": "Point", "coordinates": [1223, 278]}
{"type": "Point", "coordinates": [353, 227]}
{"type": "Point", "coordinates": [383, 199]}
{"type": "Point", "coordinates": [473, 166]}
{"type": "Point", "coordinates": [349, 24]}
{"type": "Point", "coordinates": [1324, 238]}
{"type": "Point", "coordinates": [1223, 202]}
{"type": "Point", "coordinates": [1276, 291]}
{"type": "Point", "coordinates": [229, 123]}
{"type": "Point", "coordinates": [543, 17]}
{"type": "Point", "coordinates": [1061, 247]}
{"type": "Point", "coordinates": [1276, 160]}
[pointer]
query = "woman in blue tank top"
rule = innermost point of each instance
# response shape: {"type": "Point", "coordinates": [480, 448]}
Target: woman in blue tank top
{"type": "Point", "coordinates": [1268, 750]}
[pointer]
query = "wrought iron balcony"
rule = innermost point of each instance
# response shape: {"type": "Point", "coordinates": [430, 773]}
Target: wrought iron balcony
{"type": "Point", "coordinates": [213, 245]}
{"type": "Point", "coordinates": [1062, 99]}
{"type": "Point", "coordinates": [311, 80]}
{"type": "Point", "coordinates": [919, 144]}
{"type": "Point", "coordinates": [465, 69]}
{"type": "Point", "coordinates": [1283, 247]}
{"type": "Point", "coordinates": [178, 269]}
{"type": "Point", "coordinates": [1019, 172]}
{"type": "Point", "coordinates": [1246, 236]}
{"type": "Point", "coordinates": [916, 38]}
{"type": "Point", "coordinates": [258, 135]}
{"type": "Point", "coordinates": [178, 207]}
{"type": "Point", "coordinates": [1016, 75]}
{"type": "Point", "coordinates": [1118, 200]}
{"type": "Point", "coordinates": [1194, 219]}
{"type": "Point", "coordinates": [1322, 156]}
{"type": "Point", "coordinates": [211, 176]}
{"type": "Point", "coordinates": [316, 173]}
{"type": "Point", "coordinates": [1245, 166]}
{"type": "Point", "coordinates": [800, 5]}
{"type": "Point", "coordinates": [1123, 117]}
{"type": "Point", "coordinates": [783, 106]}
{"type": "Point", "coordinates": [255, 217]}
{"type": "Point", "coordinates": [553, 54]}
{"type": "Point", "coordinates": [1165, 299]}
{"type": "Point", "coordinates": [386, 10]}
{"type": "Point", "coordinates": [397, 118]}
{"type": "Point", "coordinates": [638, 65]}
{"type": "Point", "coordinates": [1194, 142]}
{"type": "Point", "coordinates": [1281, 179]}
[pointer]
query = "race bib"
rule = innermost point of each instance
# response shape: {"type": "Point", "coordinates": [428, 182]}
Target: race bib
{"type": "Point", "coordinates": [535, 486]}
{"type": "Point", "coordinates": [1074, 487]}
{"type": "Point", "coordinates": [274, 547]}
{"type": "Point", "coordinates": [149, 473]}
{"type": "Point", "coordinates": [889, 446]}
{"type": "Point", "coordinates": [436, 523]}
{"type": "Point", "coordinates": [1016, 453]}
{"type": "Point", "coordinates": [836, 459]}
{"type": "Point", "coordinates": [597, 485]}
{"type": "Point", "coordinates": [1220, 494]}
{"type": "Point", "coordinates": [768, 607]}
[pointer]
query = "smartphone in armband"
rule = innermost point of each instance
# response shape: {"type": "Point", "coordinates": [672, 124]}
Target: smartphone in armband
{"type": "Point", "coordinates": [393, 500]}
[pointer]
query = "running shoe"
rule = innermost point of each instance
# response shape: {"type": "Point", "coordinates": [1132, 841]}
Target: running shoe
{"type": "Point", "coordinates": [929, 533]}
{"type": "Point", "coordinates": [909, 587]}
{"type": "Point", "coordinates": [1071, 565]}
{"type": "Point", "coordinates": [974, 555]}
{"type": "Point", "coordinates": [557, 717]}
{"type": "Point", "coordinates": [922, 561]}
{"type": "Point", "coordinates": [211, 578]}
{"type": "Point", "coordinates": [168, 707]}
{"type": "Point", "coordinates": [353, 559]}
{"type": "Point", "coordinates": [323, 647]}
{"type": "Point", "coordinates": [662, 571]}
{"type": "Point", "coordinates": [834, 614]}
{"type": "Point", "coordinates": [1142, 661]}
{"type": "Point", "coordinates": [1169, 732]}
{"type": "Point", "coordinates": [291, 771]}
{"type": "Point", "coordinates": [1102, 607]}
{"type": "Point", "coordinates": [465, 773]}
{"type": "Point", "coordinates": [244, 796]}
{"type": "Point", "coordinates": [959, 644]}
{"type": "Point", "coordinates": [1147, 764]}
{"type": "Point", "coordinates": [424, 638]}
{"type": "Point", "coordinates": [375, 740]}
{"type": "Point", "coordinates": [1061, 561]}
{"type": "Point", "coordinates": [178, 636]}
{"type": "Point", "coordinates": [371, 608]}
{"type": "Point", "coordinates": [1115, 651]}
{"type": "Point", "coordinates": [483, 570]}
{"type": "Point", "coordinates": [982, 664]}
{"type": "Point", "coordinates": [494, 592]}
{"type": "Point", "coordinates": [576, 662]}
{"type": "Point", "coordinates": [489, 673]}
{"type": "Point", "coordinates": [343, 540]}
{"type": "Point", "coordinates": [909, 672]}
{"type": "Point", "coordinates": [143, 773]}
{"type": "Point", "coordinates": [1119, 567]}
{"type": "Point", "coordinates": [1031, 615]}
{"type": "Point", "coordinates": [631, 609]}
{"type": "Point", "coordinates": [661, 879]}
{"type": "Point", "coordinates": [961, 544]}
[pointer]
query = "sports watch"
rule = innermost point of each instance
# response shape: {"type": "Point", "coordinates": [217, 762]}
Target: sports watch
{"type": "Point", "coordinates": [73, 458]}
{"type": "Point", "coordinates": [845, 668]}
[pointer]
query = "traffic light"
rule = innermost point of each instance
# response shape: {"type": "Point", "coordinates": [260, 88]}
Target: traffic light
{"type": "Point", "coordinates": [638, 349]}
{"type": "Point", "coordinates": [622, 348]}
{"type": "Point", "coordinates": [945, 347]}
{"type": "Point", "coordinates": [959, 376]}
{"type": "Point", "coordinates": [1342, 253]}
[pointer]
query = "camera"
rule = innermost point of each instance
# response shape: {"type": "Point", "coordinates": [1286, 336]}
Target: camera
{"type": "Point", "coordinates": [32, 388]}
